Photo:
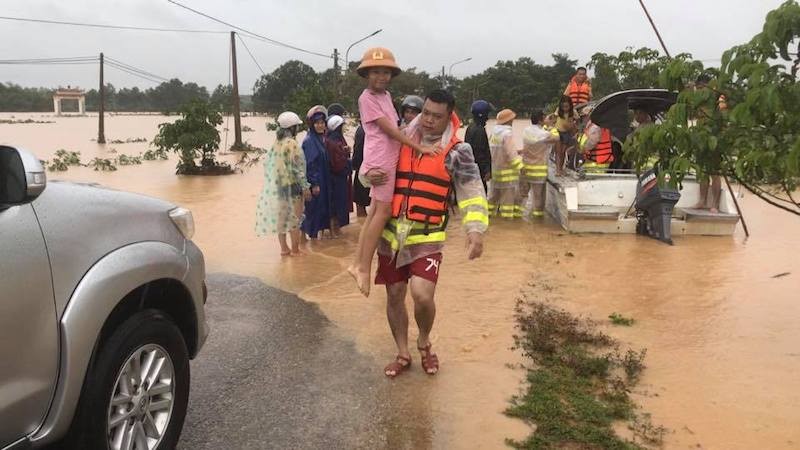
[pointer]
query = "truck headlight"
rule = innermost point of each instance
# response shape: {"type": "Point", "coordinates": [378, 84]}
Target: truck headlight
{"type": "Point", "coordinates": [182, 218]}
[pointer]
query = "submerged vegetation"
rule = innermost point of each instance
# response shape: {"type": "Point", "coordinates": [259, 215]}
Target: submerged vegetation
{"type": "Point", "coordinates": [194, 136]}
{"type": "Point", "coordinates": [578, 384]}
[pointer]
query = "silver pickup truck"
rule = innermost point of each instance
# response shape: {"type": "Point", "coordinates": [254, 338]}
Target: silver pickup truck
{"type": "Point", "coordinates": [102, 298]}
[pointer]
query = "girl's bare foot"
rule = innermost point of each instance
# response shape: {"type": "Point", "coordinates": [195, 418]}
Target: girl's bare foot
{"type": "Point", "coordinates": [714, 211]}
{"type": "Point", "coordinates": [285, 252]}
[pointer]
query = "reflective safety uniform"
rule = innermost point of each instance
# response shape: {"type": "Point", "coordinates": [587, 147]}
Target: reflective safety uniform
{"type": "Point", "coordinates": [597, 148]}
{"type": "Point", "coordinates": [579, 93]}
{"type": "Point", "coordinates": [506, 165]}
{"type": "Point", "coordinates": [537, 143]}
{"type": "Point", "coordinates": [420, 203]}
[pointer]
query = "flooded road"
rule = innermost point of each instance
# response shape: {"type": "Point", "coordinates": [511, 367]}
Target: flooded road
{"type": "Point", "coordinates": [722, 334]}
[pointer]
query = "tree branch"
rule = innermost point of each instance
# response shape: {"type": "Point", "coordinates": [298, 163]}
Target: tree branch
{"type": "Point", "coordinates": [757, 194]}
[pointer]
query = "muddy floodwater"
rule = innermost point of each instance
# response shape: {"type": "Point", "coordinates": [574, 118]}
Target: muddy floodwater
{"type": "Point", "coordinates": [722, 332]}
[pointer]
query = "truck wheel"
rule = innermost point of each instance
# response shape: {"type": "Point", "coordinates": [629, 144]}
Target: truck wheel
{"type": "Point", "coordinates": [136, 392]}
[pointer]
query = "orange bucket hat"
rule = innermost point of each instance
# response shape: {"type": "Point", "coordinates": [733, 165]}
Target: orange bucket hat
{"type": "Point", "coordinates": [378, 57]}
{"type": "Point", "coordinates": [505, 116]}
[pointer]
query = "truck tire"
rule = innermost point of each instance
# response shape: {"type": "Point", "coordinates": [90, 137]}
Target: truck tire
{"type": "Point", "coordinates": [136, 389]}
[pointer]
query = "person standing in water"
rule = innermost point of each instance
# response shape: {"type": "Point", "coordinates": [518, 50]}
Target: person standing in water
{"type": "Point", "coordinates": [280, 203]}
{"type": "Point", "coordinates": [536, 145]}
{"type": "Point", "coordinates": [506, 164]}
{"type": "Point", "coordinates": [318, 208]}
{"type": "Point", "coordinates": [360, 192]}
{"type": "Point", "coordinates": [381, 150]}
{"type": "Point", "coordinates": [410, 250]}
{"type": "Point", "coordinates": [341, 170]}
{"type": "Point", "coordinates": [476, 137]}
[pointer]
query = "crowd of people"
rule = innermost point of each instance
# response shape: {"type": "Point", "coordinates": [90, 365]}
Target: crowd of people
{"type": "Point", "coordinates": [405, 175]}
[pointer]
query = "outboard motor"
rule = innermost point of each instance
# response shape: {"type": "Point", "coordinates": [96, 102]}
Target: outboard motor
{"type": "Point", "coordinates": [654, 206]}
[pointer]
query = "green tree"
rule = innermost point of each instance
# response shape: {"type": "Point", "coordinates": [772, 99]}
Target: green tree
{"type": "Point", "coordinates": [631, 69]}
{"type": "Point", "coordinates": [193, 136]}
{"type": "Point", "coordinates": [15, 98]}
{"type": "Point", "coordinates": [271, 92]}
{"type": "Point", "coordinates": [222, 97]}
{"type": "Point", "coordinates": [756, 138]}
{"type": "Point", "coordinates": [171, 95]}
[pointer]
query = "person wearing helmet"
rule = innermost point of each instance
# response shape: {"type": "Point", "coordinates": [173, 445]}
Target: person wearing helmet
{"type": "Point", "coordinates": [382, 144]}
{"type": "Point", "coordinates": [506, 164]}
{"type": "Point", "coordinates": [476, 137]}
{"type": "Point", "coordinates": [409, 109]}
{"type": "Point", "coordinates": [280, 203]}
{"type": "Point", "coordinates": [341, 173]}
{"type": "Point", "coordinates": [318, 215]}
{"type": "Point", "coordinates": [336, 109]}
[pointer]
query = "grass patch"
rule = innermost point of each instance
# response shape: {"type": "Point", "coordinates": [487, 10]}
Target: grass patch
{"type": "Point", "coordinates": [618, 319]}
{"type": "Point", "coordinates": [577, 385]}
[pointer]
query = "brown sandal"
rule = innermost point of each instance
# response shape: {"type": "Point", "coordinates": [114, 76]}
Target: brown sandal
{"type": "Point", "coordinates": [398, 366]}
{"type": "Point", "coordinates": [430, 362]}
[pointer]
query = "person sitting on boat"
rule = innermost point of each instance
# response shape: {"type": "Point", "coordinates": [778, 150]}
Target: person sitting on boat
{"type": "Point", "coordinates": [579, 89]}
{"type": "Point", "coordinates": [536, 145]}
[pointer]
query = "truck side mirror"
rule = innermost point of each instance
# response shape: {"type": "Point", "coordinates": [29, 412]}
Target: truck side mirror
{"type": "Point", "coordinates": [22, 177]}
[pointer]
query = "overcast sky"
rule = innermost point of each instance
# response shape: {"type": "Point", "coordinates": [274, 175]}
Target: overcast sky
{"type": "Point", "coordinates": [425, 34]}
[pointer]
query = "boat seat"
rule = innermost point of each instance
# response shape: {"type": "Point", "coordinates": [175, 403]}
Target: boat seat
{"type": "Point", "coordinates": [704, 215]}
{"type": "Point", "coordinates": [595, 212]}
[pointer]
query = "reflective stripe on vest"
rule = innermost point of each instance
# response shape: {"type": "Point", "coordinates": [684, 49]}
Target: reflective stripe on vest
{"type": "Point", "coordinates": [417, 235]}
{"type": "Point", "coordinates": [534, 170]}
{"type": "Point", "coordinates": [423, 184]}
{"type": "Point", "coordinates": [508, 175]}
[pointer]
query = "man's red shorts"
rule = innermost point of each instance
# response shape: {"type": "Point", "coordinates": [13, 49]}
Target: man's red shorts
{"type": "Point", "coordinates": [426, 267]}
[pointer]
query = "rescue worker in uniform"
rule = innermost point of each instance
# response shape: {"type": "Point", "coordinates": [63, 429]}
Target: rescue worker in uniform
{"type": "Point", "coordinates": [410, 249]}
{"type": "Point", "coordinates": [506, 164]}
{"type": "Point", "coordinates": [409, 109]}
{"type": "Point", "coordinates": [537, 143]}
{"type": "Point", "coordinates": [596, 146]}
{"type": "Point", "coordinates": [476, 137]}
{"type": "Point", "coordinates": [579, 88]}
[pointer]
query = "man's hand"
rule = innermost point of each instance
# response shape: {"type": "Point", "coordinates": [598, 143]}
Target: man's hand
{"type": "Point", "coordinates": [315, 191]}
{"type": "Point", "coordinates": [376, 177]}
{"type": "Point", "coordinates": [474, 245]}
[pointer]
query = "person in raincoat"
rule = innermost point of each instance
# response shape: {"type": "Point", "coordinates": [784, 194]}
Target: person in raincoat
{"type": "Point", "coordinates": [280, 203]}
{"type": "Point", "coordinates": [536, 147]}
{"type": "Point", "coordinates": [341, 172]}
{"type": "Point", "coordinates": [506, 164]}
{"type": "Point", "coordinates": [476, 137]}
{"type": "Point", "coordinates": [318, 208]}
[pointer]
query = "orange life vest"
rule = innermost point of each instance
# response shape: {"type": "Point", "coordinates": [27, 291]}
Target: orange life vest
{"type": "Point", "coordinates": [602, 152]}
{"type": "Point", "coordinates": [423, 183]}
{"type": "Point", "coordinates": [579, 93]}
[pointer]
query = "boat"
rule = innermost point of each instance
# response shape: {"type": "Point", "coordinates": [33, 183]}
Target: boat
{"type": "Point", "coordinates": [606, 202]}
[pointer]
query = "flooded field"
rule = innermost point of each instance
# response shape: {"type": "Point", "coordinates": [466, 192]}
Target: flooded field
{"type": "Point", "coordinates": [721, 331]}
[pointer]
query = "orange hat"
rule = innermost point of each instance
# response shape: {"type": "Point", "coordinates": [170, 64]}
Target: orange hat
{"type": "Point", "coordinates": [378, 57]}
{"type": "Point", "coordinates": [505, 116]}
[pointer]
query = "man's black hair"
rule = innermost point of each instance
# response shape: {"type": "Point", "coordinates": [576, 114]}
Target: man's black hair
{"type": "Point", "coordinates": [703, 78]}
{"type": "Point", "coordinates": [537, 116]}
{"type": "Point", "coordinates": [442, 96]}
{"type": "Point", "coordinates": [581, 68]}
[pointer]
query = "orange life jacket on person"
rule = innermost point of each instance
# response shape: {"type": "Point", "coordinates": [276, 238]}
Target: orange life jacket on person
{"type": "Point", "coordinates": [423, 183]}
{"type": "Point", "coordinates": [602, 153]}
{"type": "Point", "coordinates": [579, 93]}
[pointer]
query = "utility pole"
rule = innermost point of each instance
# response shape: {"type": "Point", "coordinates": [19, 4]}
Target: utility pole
{"type": "Point", "coordinates": [336, 70]}
{"type": "Point", "coordinates": [237, 120]}
{"type": "Point", "coordinates": [444, 80]}
{"type": "Point", "coordinates": [653, 24]}
{"type": "Point", "coordinates": [101, 128]}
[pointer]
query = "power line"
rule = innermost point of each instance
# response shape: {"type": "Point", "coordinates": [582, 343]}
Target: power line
{"type": "Point", "coordinates": [135, 69]}
{"type": "Point", "coordinates": [130, 72]}
{"type": "Point", "coordinates": [115, 27]}
{"type": "Point", "coordinates": [251, 54]}
{"type": "Point", "coordinates": [264, 38]}
{"type": "Point", "coordinates": [70, 60]}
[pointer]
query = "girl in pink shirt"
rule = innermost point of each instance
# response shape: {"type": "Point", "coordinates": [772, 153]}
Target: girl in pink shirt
{"type": "Point", "coordinates": [381, 151]}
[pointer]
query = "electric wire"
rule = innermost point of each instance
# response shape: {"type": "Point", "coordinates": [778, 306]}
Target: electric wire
{"type": "Point", "coordinates": [115, 27]}
{"type": "Point", "coordinates": [251, 54]}
{"type": "Point", "coordinates": [255, 35]}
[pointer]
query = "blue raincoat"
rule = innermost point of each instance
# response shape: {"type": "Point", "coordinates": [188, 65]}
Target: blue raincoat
{"type": "Point", "coordinates": [318, 209]}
